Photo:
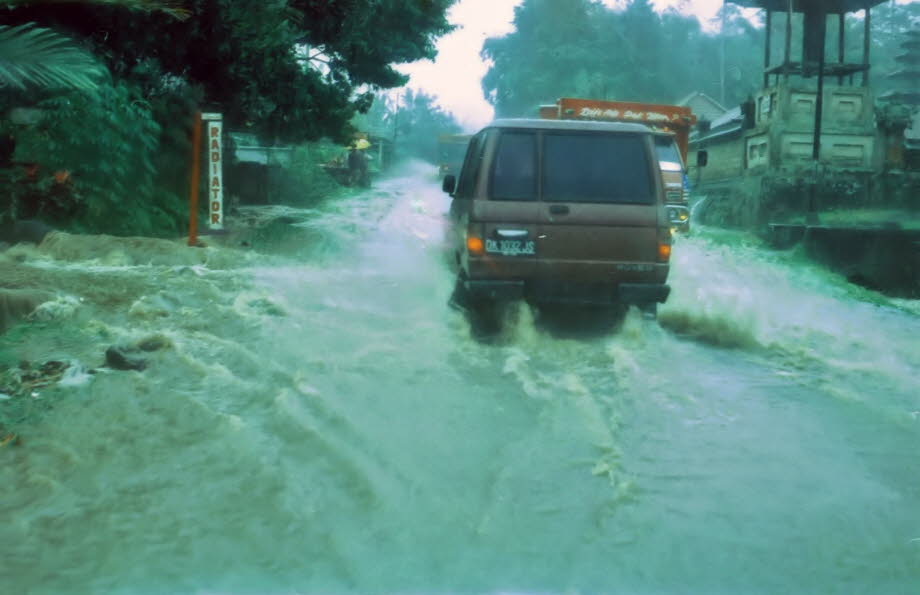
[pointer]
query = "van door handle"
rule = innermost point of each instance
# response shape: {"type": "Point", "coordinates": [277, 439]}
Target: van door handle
{"type": "Point", "coordinates": [559, 209]}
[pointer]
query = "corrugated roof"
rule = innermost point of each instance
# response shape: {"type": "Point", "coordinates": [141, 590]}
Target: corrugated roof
{"type": "Point", "coordinates": [727, 132]}
{"type": "Point", "coordinates": [728, 117]}
{"type": "Point", "coordinates": [909, 97]}
{"type": "Point", "coordinates": [904, 74]}
{"type": "Point", "coordinates": [687, 99]}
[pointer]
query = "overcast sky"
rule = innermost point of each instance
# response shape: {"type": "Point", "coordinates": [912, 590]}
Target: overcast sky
{"type": "Point", "coordinates": [454, 77]}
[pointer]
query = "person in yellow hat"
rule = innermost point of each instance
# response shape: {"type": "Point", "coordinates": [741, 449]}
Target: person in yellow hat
{"type": "Point", "coordinates": [357, 163]}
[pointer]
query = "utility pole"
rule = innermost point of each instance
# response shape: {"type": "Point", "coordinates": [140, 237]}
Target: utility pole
{"type": "Point", "coordinates": [811, 217]}
{"type": "Point", "coordinates": [194, 181]}
{"type": "Point", "coordinates": [722, 57]}
{"type": "Point", "coordinates": [395, 123]}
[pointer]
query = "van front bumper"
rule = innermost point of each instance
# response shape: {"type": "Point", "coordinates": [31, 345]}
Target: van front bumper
{"type": "Point", "coordinates": [573, 293]}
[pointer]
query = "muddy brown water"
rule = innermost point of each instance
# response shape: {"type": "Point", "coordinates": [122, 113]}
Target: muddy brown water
{"type": "Point", "coordinates": [321, 421]}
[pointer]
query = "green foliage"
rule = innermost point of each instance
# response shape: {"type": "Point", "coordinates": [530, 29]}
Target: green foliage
{"type": "Point", "coordinates": [289, 70]}
{"type": "Point", "coordinates": [420, 122]}
{"type": "Point", "coordinates": [555, 51]}
{"type": "Point", "coordinates": [312, 182]}
{"type": "Point", "coordinates": [585, 49]}
{"type": "Point", "coordinates": [360, 39]}
{"type": "Point", "coordinates": [286, 70]}
{"type": "Point", "coordinates": [173, 8]}
{"type": "Point", "coordinates": [582, 48]}
{"type": "Point", "coordinates": [890, 24]}
{"type": "Point", "coordinates": [31, 55]}
{"type": "Point", "coordinates": [106, 141]}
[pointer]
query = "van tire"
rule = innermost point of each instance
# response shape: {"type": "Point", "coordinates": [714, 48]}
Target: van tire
{"type": "Point", "coordinates": [459, 297]}
{"type": "Point", "coordinates": [485, 315]}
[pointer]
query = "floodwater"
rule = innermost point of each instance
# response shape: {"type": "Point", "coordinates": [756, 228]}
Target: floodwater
{"type": "Point", "coordinates": [321, 421]}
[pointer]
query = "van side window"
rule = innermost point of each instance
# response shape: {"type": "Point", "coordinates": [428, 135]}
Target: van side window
{"type": "Point", "coordinates": [470, 171]}
{"type": "Point", "coordinates": [514, 170]}
{"type": "Point", "coordinates": [609, 168]}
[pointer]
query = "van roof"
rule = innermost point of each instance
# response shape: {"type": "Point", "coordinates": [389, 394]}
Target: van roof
{"type": "Point", "coordinates": [540, 124]}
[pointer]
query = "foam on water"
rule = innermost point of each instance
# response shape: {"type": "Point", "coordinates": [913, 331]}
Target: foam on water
{"type": "Point", "coordinates": [735, 295]}
{"type": "Point", "coordinates": [322, 421]}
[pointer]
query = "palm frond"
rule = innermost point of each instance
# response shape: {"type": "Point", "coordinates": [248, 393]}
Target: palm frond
{"type": "Point", "coordinates": [174, 8]}
{"type": "Point", "coordinates": [31, 55]}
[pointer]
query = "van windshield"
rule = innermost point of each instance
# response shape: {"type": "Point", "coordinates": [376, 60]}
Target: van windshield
{"type": "Point", "coordinates": [668, 157]}
{"type": "Point", "coordinates": [610, 168]}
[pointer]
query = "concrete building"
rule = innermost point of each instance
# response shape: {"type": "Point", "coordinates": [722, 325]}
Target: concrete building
{"type": "Point", "coordinates": [808, 139]}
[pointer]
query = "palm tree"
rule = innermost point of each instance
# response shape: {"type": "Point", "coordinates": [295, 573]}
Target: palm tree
{"type": "Point", "coordinates": [171, 7]}
{"type": "Point", "coordinates": [32, 55]}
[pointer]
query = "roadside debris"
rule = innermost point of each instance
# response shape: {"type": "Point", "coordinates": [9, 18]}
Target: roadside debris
{"type": "Point", "coordinates": [21, 384]}
{"type": "Point", "coordinates": [25, 379]}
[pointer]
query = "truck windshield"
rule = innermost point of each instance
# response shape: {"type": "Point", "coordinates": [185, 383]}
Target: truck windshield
{"type": "Point", "coordinates": [668, 157]}
{"type": "Point", "coordinates": [611, 168]}
{"type": "Point", "coordinates": [452, 152]}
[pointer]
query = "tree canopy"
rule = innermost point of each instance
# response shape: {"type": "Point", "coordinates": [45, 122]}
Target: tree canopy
{"type": "Point", "coordinates": [116, 83]}
{"type": "Point", "coordinates": [291, 70]}
{"type": "Point", "coordinates": [419, 122]}
{"type": "Point", "coordinates": [31, 55]}
{"type": "Point", "coordinates": [584, 48]}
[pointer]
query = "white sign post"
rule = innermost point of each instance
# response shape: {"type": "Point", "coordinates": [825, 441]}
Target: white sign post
{"type": "Point", "coordinates": [214, 126]}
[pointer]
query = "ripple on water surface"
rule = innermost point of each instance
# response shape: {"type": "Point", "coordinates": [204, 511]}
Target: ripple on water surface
{"type": "Point", "coordinates": [320, 420]}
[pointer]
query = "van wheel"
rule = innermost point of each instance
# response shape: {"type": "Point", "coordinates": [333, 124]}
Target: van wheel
{"type": "Point", "coordinates": [485, 315]}
{"type": "Point", "coordinates": [460, 298]}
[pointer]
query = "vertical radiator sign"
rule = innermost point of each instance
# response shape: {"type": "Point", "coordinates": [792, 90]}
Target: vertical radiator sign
{"type": "Point", "coordinates": [215, 170]}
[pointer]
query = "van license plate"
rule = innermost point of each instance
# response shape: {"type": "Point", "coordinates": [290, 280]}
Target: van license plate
{"type": "Point", "coordinates": [511, 247]}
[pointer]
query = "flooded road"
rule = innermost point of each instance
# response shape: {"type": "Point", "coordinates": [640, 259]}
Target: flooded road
{"type": "Point", "coordinates": [322, 421]}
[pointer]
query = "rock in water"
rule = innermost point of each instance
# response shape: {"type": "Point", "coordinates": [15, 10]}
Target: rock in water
{"type": "Point", "coordinates": [121, 358]}
{"type": "Point", "coordinates": [154, 343]}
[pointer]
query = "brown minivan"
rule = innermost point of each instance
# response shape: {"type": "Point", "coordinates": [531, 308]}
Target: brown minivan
{"type": "Point", "coordinates": [560, 211]}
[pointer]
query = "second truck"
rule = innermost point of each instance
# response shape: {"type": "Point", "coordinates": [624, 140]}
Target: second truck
{"type": "Point", "coordinates": [671, 125]}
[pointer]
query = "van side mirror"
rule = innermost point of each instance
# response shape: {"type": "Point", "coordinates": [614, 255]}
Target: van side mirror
{"type": "Point", "coordinates": [702, 158]}
{"type": "Point", "coordinates": [449, 185]}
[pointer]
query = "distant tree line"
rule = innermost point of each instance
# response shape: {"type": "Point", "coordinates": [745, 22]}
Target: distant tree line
{"type": "Point", "coordinates": [583, 48]}
{"type": "Point", "coordinates": [413, 121]}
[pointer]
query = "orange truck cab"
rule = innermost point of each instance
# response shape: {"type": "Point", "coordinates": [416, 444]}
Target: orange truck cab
{"type": "Point", "coordinates": [671, 127]}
